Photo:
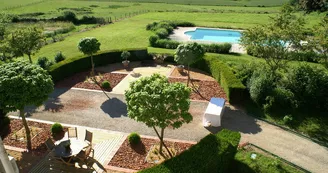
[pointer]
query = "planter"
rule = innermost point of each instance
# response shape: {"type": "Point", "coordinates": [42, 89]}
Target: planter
{"type": "Point", "coordinates": [180, 68]}
{"type": "Point", "coordinates": [126, 63]}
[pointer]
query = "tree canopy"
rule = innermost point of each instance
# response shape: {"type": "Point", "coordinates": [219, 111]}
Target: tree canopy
{"type": "Point", "coordinates": [89, 45]}
{"type": "Point", "coordinates": [313, 5]}
{"type": "Point", "coordinates": [188, 54]}
{"type": "Point", "coordinates": [320, 39]}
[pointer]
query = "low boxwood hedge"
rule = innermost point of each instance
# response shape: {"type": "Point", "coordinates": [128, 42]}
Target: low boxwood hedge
{"type": "Point", "coordinates": [74, 65]}
{"type": "Point", "coordinates": [214, 153]}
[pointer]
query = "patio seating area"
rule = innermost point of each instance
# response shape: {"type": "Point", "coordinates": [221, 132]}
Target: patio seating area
{"type": "Point", "coordinates": [80, 150]}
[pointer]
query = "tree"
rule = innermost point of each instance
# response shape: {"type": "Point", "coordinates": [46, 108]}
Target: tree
{"type": "Point", "coordinates": [320, 39]}
{"type": "Point", "coordinates": [158, 103]}
{"type": "Point", "coordinates": [275, 41]}
{"type": "Point", "coordinates": [23, 84]}
{"type": "Point", "coordinates": [89, 46]}
{"type": "Point", "coordinates": [27, 41]}
{"type": "Point", "coordinates": [188, 54]}
{"type": "Point", "coordinates": [313, 5]}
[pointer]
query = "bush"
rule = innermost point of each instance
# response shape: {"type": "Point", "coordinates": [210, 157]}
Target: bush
{"type": "Point", "coordinates": [162, 33]}
{"type": "Point", "coordinates": [168, 44]}
{"type": "Point", "coordinates": [44, 62]}
{"type": "Point", "coordinates": [134, 138]}
{"type": "Point", "coordinates": [152, 40]}
{"type": "Point", "coordinates": [56, 128]}
{"type": "Point", "coordinates": [81, 63]}
{"type": "Point", "coordinates": [59, 57]}
{"type": "Point", "coordinates": [280, 102]}
{"type": "Point", "coordinates": [125, 55]}
{"type": "Point", "coordinates": [260, 86]}
{"type": "Point", "coordinates": [217, 48]}
{"type": "Point", "coordinates": [288, 119]}
{"type": "Point", "coordinates": [214, 153]}
{"type": "Point", "coordinates": [244, 72]}
{"type": "Point", "coordinates": [105, 84]}
{"type": "Point", "coordinates": [70, 16]}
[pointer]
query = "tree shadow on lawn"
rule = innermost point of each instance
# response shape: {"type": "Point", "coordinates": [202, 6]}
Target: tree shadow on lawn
{"type": "Point", "coordinates": [114, 107]}
{"type": "Point", "coordinates": [236, 120]}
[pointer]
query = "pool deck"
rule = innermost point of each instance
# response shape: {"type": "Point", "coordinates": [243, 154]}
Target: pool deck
{"type": "Point", "coordinates": [178, 35]}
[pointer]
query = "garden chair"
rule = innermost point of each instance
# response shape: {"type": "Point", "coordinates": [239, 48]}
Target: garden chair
{"type": "Point", "coordinates": [72, 132]}
{"type": "Point", "coordinates": [85, 154]}
{"type": "Point", "coordinates": [88, 137]}
{"type": "Point", "coordinates": [50, 144]}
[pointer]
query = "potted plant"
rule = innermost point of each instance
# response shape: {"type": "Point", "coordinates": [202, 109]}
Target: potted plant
{"type": "Point", "coordinates": [125, 55]}
{"type": "Point", "coordinates": [159, 58]}
{"type": "Point", "coordinates": [180, 68]}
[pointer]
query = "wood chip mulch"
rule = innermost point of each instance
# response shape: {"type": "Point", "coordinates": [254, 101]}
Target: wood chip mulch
{"type": "Point", "coordinates": [134, 157]}
{"type": "Point", "coordinates": [78, 80]}
{"type": "Point", "coordinates": [194, 74]}
{"type": "Point", "coordinates": [206, 89]}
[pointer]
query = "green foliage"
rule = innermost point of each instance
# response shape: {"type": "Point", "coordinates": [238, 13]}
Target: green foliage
{"type": "Point", "coordinates": [217, 48]}
{"type": "Point", "coordinates": [162, 33]}
{"type": "Point", "coordinates": [125, 55]}
{"type": "Point", "coordinates": [288, 119]}
{"type": "Point", "coordinates": [56, 128]}
{"type": "Point", "coordinates": [273, 41]}
{"type": "Point", "coordinates": [152, 40]}
{"type": "Point", "coordinates": [105, 84]}
{"type": "Point", "coordinates": [74, 65]}
{"type": "Point", "coordinates": [320, 40]}
{"type": "Point", "coordinates": [244, 72]}
{"type": "Point", "coordinates": [158, 103]}
{"type": "Point", "coordinates": [165, 43]}
{"type": "Point", "coordinates": [313, 5]}
{"type": "Point", "coordinates": [70, 16]}
{"type": "Point", "coordinates": [188, 54]}
{"type": "Point", "coordinates": [44, 62]}
{"type": "Point", "coordinates": [89, 45]}
{"type": "Point", "coordinates": [26, 41]}
{"type": "Point", "coordinates": [281, 101]}
{"type": "Point", "coordinates": [134, 138]}
{"type": "Point", "coordinates": [59, 57]}
{"type": "Point", "coordinates": [213, 153]}
{"type": "Point", "coordinates": [23, 84]}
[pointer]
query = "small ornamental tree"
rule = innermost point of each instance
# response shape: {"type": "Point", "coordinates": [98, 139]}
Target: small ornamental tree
{"type": "Point", "coordinates": [26, 41]}
{"type": "Point", "coordinates": [23, 84]}
{"type": "Point", "coordinates": [188, 54]}
{"type": "Point", "coordinates": [89, 46]}
{"type": "Point", "coordinates": [159, 104]}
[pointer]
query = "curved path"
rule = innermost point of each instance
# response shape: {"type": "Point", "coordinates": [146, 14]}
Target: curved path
{"type": "Point", "coordinates": [93, 109]}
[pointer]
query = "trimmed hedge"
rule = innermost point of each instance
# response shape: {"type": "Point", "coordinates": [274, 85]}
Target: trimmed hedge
{"type": "Point", "coordinates": [214, 153]}
{"type": "Point", "coordinates": [74, 65]}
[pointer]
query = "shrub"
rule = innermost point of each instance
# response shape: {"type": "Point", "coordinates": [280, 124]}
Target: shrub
{"type": "Point", "coordinates": [217, 48]}
{"type": "Point", "coordinates": [134, 138]}
{"type": "Point", "coordinates": [168, 44]}
{"type": "Point", "coordinates": [59, 57]}
{"type": "Point", "coordinates": [81, 63]}
{"type": "Point", "coordinates": [260, 86]}
{"type": "Point", "coordinates": [280, 102]}
{"type": "Point", "coordinates": [56, 128]}
{"type": "Point", "coordinates": [105, 84]}
{"type": "Point", "coordinates": [125, 55]}
{"type": "Point", "coordinates": [152, 40]}
{"type": "Point", "coordinates": [288, 119]}
{"type": "Point", "coordinates": [214, 153]}
{"type": "Point", "coordinates": [44, 62]}
{"type": "Point", "coordinates": [70, 16]}
{"type": "Point", "coordinates": [244, 72]}
{"type": "Point", "coordinates": [162, 33]}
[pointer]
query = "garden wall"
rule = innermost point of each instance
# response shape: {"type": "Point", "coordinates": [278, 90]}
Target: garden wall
{"type": "Point", "coordinates": [214, 153]}
{"type": "Point", "coordinates": [74, 65]}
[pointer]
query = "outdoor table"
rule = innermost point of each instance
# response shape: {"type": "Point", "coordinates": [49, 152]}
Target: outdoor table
{"type": "Point", "coordinates": [76, 146]}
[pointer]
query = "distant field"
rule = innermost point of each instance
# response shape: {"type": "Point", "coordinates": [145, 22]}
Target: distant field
{"type": "Point", "coordinates": [4, 4]}
{"type": "Point", "coordinates": [212, 2]}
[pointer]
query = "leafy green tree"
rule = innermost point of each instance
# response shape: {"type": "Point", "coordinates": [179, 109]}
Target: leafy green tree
{"type": "Point", "coordinates": [313, 5]}
{"type": "Point", "coordinates": [89, 46]}
{"type": "Point", "coordinates": [320, 39]}
{"type": "Point", "coordinates": [158, 103]}
{"type": "Point", "coordinates": [23, 84]}
{"type": "Point", "coordinates": [188, 54]}
{"type": "Point", "coordinates": [275, 41]}
{"type": "Point", "coordinates": [27, 41]}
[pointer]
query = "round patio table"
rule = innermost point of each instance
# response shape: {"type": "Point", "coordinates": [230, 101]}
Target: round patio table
{"type": "Point", "coordinates": [75, 147]}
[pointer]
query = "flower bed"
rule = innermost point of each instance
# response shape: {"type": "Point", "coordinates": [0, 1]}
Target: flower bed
{"type": "Point", "coordinates": [134, 157]}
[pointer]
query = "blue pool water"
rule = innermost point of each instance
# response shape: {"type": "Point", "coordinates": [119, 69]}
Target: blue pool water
{"type": "Point", "coordinates": [214, 35]}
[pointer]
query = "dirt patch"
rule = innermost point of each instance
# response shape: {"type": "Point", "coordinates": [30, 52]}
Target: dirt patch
{"type": "Point", "coordinates": [203, 90]}
{"type": "Point", "coordinates": [134, 157]}
{"type": "Point", "coordinates": [194, 74]}
{"type": "Point", "coordinates": [81, 80]}
{"type": "Point", "coordinates": [26, 160]}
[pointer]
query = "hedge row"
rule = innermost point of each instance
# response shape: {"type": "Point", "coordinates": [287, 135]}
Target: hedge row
{"type": "Point", "coordinates": [74, 65]}
{"type": "Point", "coordinates": [158, 41]}
{"type": "Point", "coordinates": [233, 87]}
{"type": "Point", "coordinates": [214, 153]}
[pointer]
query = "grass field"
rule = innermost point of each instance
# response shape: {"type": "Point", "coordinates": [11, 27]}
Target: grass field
{"type": "Point", "coordinates": [214, 2]}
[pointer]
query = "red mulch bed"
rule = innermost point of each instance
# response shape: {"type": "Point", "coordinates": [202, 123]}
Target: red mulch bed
{"type": "Point", "coordinates": [134, 158]}
{"type": "Point", "coordinates": [38, 146]}
{"type": "Point", "coordinates": [78, 80]}
{"type": "Point", "coordinates": [206, 89]}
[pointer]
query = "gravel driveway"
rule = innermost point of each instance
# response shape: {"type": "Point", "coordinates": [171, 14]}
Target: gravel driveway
{"type": "Point", "coordinates": [93, 109]}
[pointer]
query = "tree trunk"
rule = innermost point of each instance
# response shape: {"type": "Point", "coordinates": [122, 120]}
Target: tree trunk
{"type": "Point", "coordinates": [161, 138]}
{"type": "Point", "coordinates": [92, 67]}
{"type": "Point", "coordinates": [188, 76]}
{"type": "Point", "coordinates": [29, 57]}
{"type": "Point", "coordinates": [27, 130]}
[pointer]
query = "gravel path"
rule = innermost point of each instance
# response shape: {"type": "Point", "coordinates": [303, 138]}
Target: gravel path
{"type": "Point", "coordinates": [93, 109]}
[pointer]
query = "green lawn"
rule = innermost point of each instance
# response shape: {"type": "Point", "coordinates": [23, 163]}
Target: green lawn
{"type": "Point", "coordinates": [7, 4]}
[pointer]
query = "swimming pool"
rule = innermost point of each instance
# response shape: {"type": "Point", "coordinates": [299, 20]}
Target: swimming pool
{"type": "Point", "coordinates": [214, 35]}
